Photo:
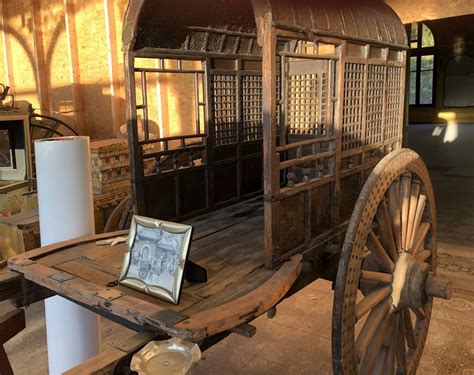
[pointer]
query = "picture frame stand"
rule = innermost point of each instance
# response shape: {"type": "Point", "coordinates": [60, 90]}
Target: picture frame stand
{"type": "Point", "coordinates": [194, 273]}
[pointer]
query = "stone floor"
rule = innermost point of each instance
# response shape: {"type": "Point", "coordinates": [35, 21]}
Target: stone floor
{"type": "Point", "coordinates": [297, 340]}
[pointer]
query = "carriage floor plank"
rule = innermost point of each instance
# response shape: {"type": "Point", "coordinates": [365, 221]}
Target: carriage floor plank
{"type": "Point", "coordinates": [227, 242]}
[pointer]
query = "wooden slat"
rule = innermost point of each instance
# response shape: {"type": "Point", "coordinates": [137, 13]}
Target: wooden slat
{"type": "Point", "coordinates": [107, 359]}
{"type": "Point", "coordinates": [101, 364]}
{"type": "Point", "coordinates": [60, 246]}
{"type": "Point", "coordinates": [229, 315]}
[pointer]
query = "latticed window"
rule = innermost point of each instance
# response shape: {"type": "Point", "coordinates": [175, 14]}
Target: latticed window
{"type": "Point", "coordinates": [422, 59]}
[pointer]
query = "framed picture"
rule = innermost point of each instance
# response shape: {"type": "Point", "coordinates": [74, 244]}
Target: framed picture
{"type": "Point", "coordinates": [156, 256]}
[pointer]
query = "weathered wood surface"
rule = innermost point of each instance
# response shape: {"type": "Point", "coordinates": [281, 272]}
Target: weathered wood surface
{"type": "Point", "coordinates": [18, 233]}
{"type": "Point", "coordinates": [228, 243]}
{"type": "Point", "coordinates": [10, 324]}
{"type": "Point", "coordinates": [108, 359]}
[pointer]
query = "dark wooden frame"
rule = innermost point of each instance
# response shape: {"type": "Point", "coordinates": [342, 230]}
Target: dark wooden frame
{"type": "Point", "coordinates": [343, 169]}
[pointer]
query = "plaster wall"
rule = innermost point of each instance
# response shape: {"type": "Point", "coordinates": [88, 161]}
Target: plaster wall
{"type": "Point", "coordinates": [66, 56]}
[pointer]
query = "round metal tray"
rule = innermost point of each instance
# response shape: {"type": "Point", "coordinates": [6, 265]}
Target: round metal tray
{"type": "Point", "coordinates": [170, 357]}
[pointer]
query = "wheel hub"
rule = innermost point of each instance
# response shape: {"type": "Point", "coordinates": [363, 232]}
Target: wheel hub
{"type": "Point", "coordinates": [409, 280]}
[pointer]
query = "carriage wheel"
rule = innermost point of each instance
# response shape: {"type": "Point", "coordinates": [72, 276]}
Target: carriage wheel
{"type": "Point", "coordinates": [386, 276]}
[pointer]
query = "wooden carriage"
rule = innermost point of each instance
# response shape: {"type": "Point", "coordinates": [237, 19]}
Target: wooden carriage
{"type": "Point", "coordinates": [292, 168]}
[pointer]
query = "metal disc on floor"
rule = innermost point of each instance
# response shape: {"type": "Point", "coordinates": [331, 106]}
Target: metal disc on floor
{"type": "Point", "coordinates": [170, 357]}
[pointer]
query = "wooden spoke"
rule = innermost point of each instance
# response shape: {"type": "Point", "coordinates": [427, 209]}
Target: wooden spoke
{"type": "Point", "coordinates": [419, 312]}
{"type": "Point", "coordinates": [370, 328]}
{"type": "Point", "coordinates": [420, 208]}
{"type": "Point", "coordinates": [414, 193]}
{"type": "Point", "coordinates": [405, 202]}
{"type": "Point", "coordinates": [390, 347]}
{"type": "Point", "coordinates": [423, 255]}
{"type": "Point", "coordinates": [409, 332]}
{"type": "Point", "coordinates": [401, 348]}
{"type": "Point", "coordinates": [393, 346]}
{"type": "Point", "coordinates": [374, 348]}
{"type": "Point", "coordinates": [394, 210]}
{"type": "Point", "coordinates": [420, 237]}
{"type": "Point", "coordinates": [376, 276]}
{"type": "Point", "coordinates": [385, 230]}
{"type": "Point", "coordinates": [382, 361]}
{"type": "Point", "coordinates": [379, 252]}
{"type": "Point", "coordinates": [371, 300]}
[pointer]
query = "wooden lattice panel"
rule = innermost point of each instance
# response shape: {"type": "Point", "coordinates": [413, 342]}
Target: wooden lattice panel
{"type": "Point", "coordinates": [252, 107]}
{"type": "Point", "coordinates": [394, 97]}
{"type": "Point", "coordinates": [353, 106]}
{"type": "Point", "coordinates": [224, 108]}
{"type": "Point", "coordinates": [304, 104]}
{"type": "Point", "coordinates": [375, 104]}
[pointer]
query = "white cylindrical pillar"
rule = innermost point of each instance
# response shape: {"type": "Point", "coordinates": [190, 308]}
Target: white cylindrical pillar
{"type": "Point", "coordinates": [66, 211]}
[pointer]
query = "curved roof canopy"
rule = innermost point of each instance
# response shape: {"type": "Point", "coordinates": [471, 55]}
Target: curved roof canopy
{"type": "Point", "coordinates": [229, 26]}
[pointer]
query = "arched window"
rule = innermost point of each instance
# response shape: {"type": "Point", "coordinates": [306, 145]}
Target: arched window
{"type": "Point", "coordinates": [422, 62]}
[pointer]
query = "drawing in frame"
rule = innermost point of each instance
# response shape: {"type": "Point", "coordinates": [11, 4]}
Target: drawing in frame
{"type": "Point", "coordinates": [155, 258]}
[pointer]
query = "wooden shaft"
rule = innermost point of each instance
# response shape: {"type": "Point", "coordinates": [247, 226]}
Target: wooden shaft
{"type": "Point", "coordinates": [414, 193]}
{"type": "Point", "coordinates": [379, 252]}
{"type": "Point", "coordinates": [420, 237]}
{"type": "Point", "coordinates": [376, 276]}
{"type": "Point", "coordinates": [372, 300]}
{"type": "Point", "coordinates": [436, 287]}
{"type": "Point", "coordinates": [418, 217]}
{"type": "Point", "coordinates": [385, 230]}
{"type": "Point", "coordinates": [394, 208]}
{"type": "Point", "coordinates": [405, 202]}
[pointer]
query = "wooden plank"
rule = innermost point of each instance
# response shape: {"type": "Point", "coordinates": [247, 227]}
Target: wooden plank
{"type": "Point", "coordinates": [232, 255]}
{"type": "Point", "coordinates": [106, 361]}
{"type": "Point", "coordinates": [101, 364]}
{"type": "Point", "coordinates": [60, 246]}
{"type": "Point", "coordinates": [230, 315]}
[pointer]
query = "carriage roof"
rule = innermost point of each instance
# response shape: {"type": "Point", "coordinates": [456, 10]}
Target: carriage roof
{"type": "Point", "coordinates": [209, 26]}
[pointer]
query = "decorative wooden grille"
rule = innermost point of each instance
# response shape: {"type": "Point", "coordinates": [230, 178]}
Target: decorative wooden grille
{"type": "Point", "coordinates": [252, 110]}
{"type": "Point", "coordinates": [224, 108]}
{"type": "Point", "coordinates": [375, 104]}
{"type": "Point", "coordinates": [394, 97]}
{"type": "Point", "coordinates": [306, 106]}
{"type": "Point", "coordinates": [352, 106]}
